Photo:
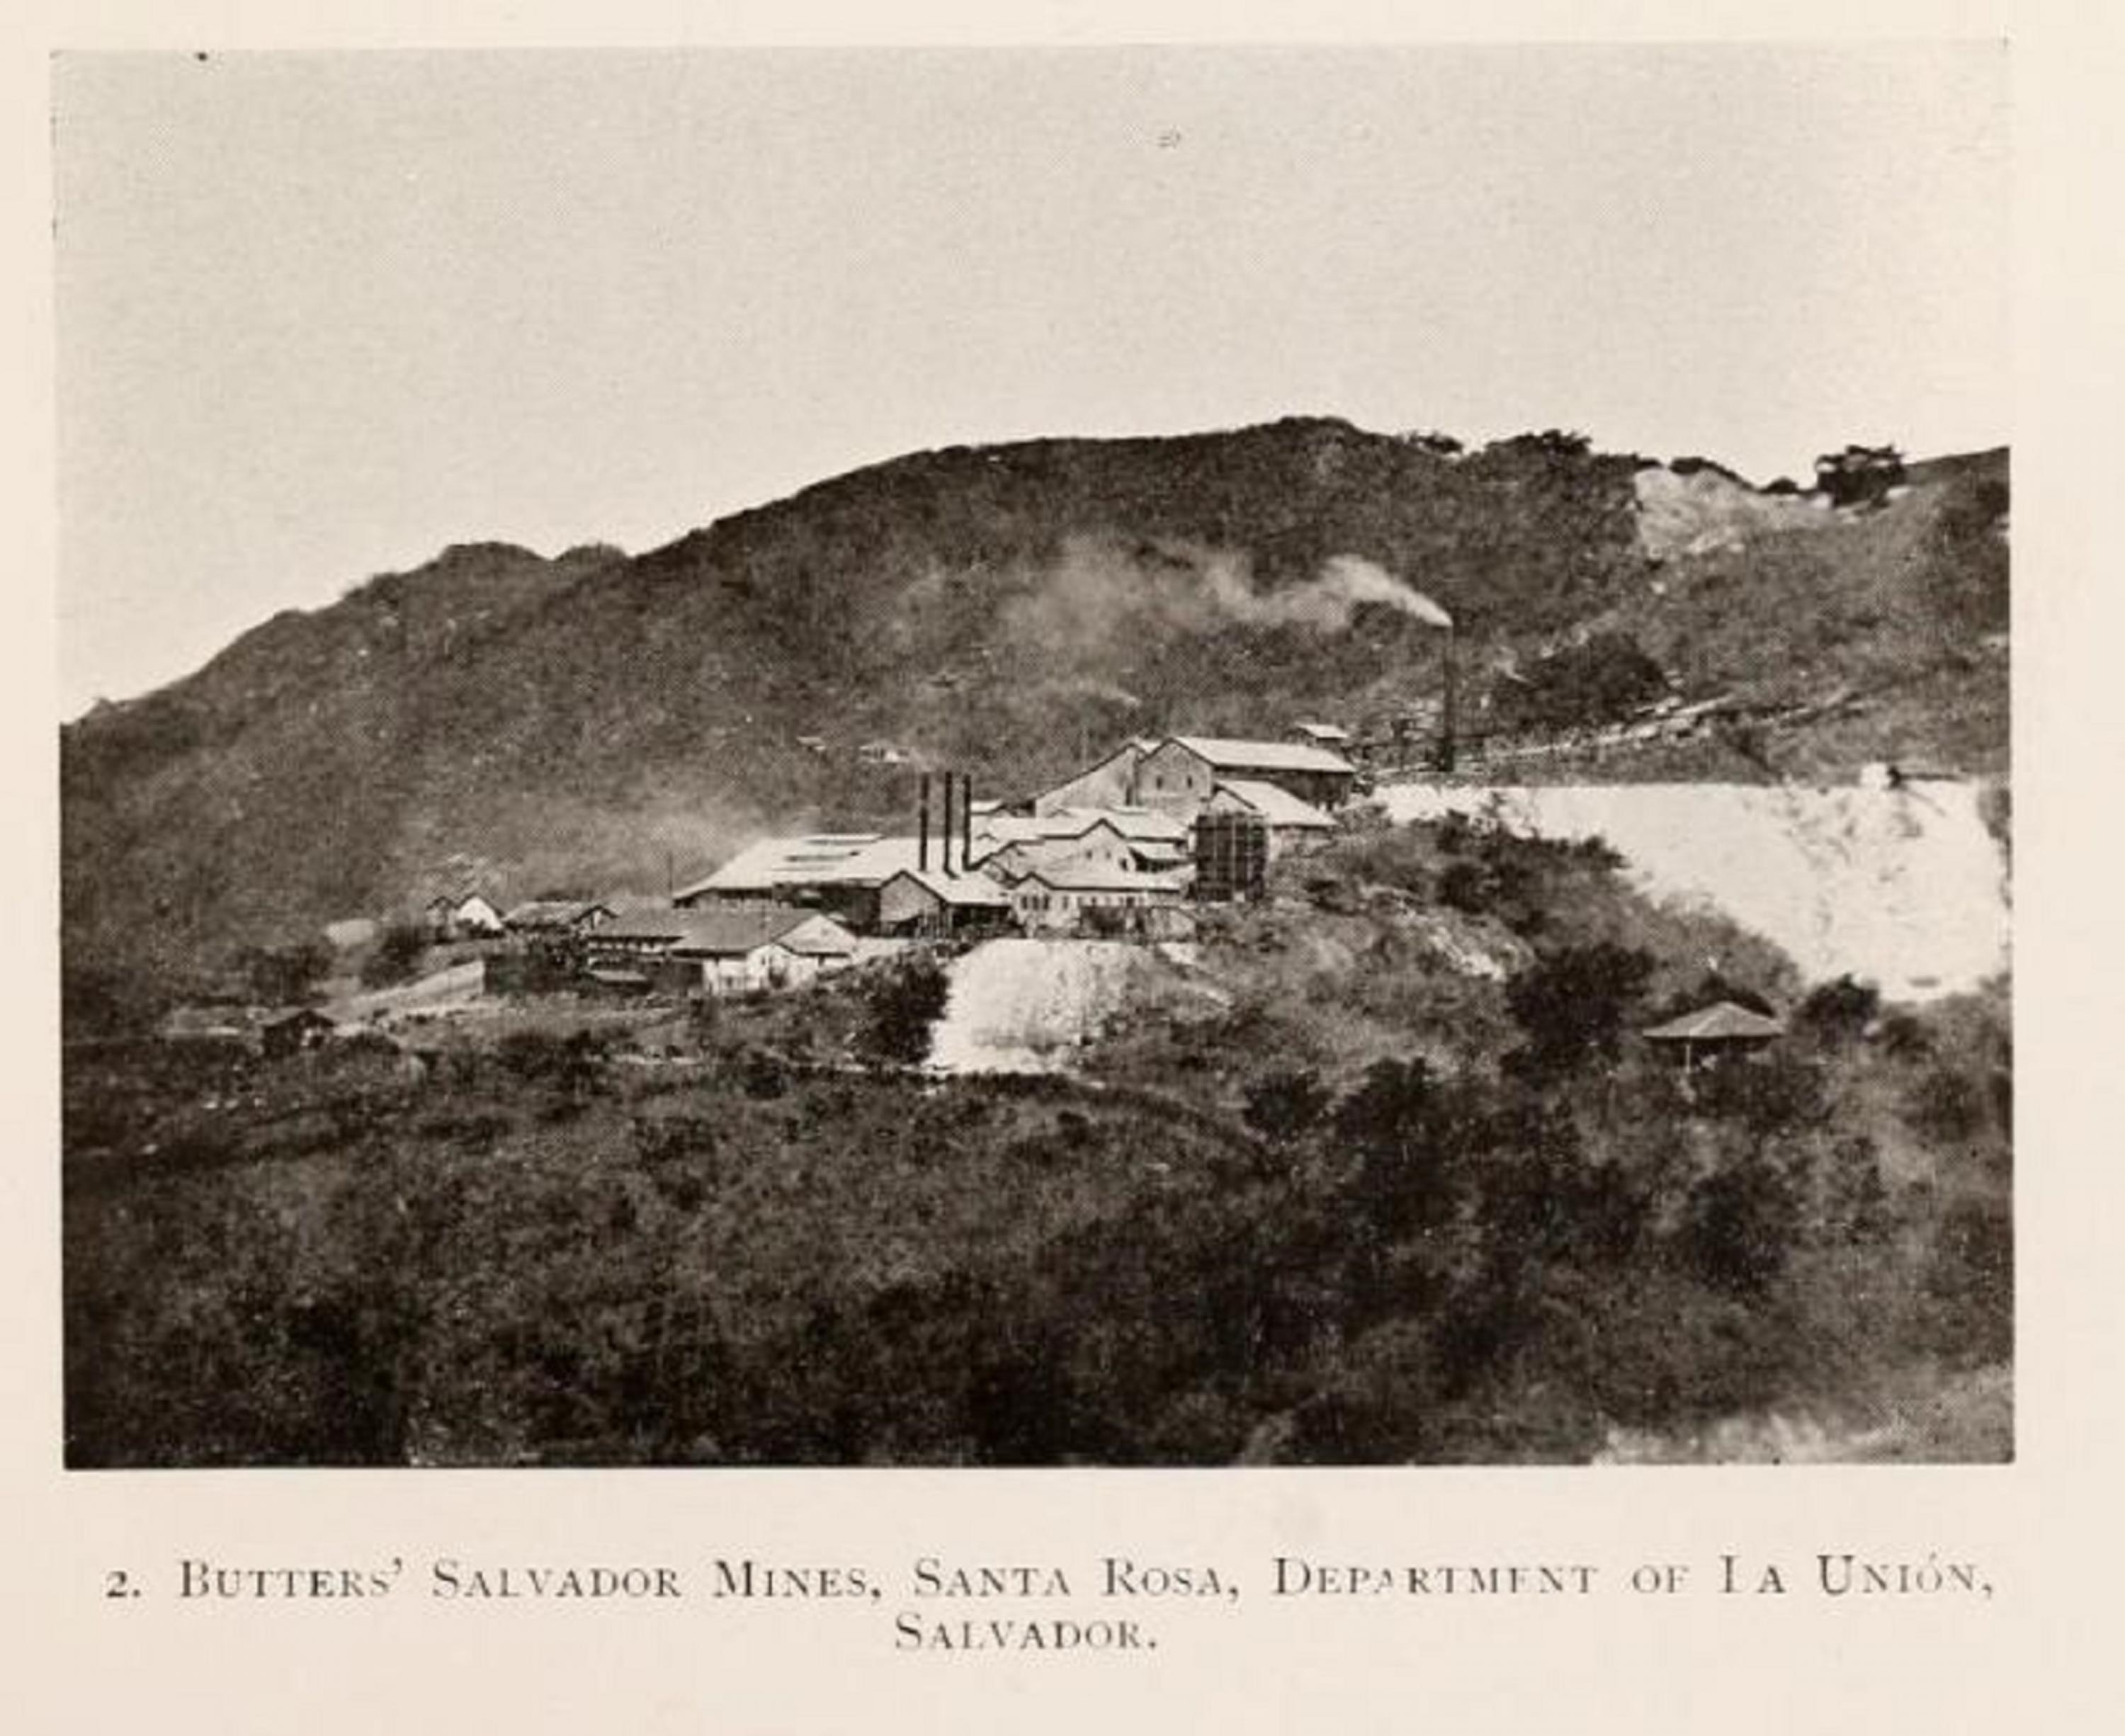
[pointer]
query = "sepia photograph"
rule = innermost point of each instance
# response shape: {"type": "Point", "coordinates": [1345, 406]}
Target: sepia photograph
{"type": "Point", "coordinates": [956, 757]}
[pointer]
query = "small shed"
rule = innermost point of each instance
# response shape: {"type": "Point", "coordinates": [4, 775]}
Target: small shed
{"type": "Point", "coordinates": [291, 1030]}
{"type": "Point", "coordinates": [1711, 1032]}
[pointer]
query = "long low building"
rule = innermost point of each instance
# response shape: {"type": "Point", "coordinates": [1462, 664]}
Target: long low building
{"type": "Point", "coordinates": [720, 951]}
{"type": "Point", "coordinates": [842, 873]}
{"type": "Point", "coordinates": [1081, 901]}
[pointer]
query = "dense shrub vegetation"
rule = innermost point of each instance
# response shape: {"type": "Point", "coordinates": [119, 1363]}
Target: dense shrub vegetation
{"type": "Point", "coordinates": [399, 951]}
{"type": "Point", "coordinates": [1603, 678]}
{"type": "Point", "coordinates": [1360, 1206]}
{"type": "Point", "coordinates": [905, 1003]}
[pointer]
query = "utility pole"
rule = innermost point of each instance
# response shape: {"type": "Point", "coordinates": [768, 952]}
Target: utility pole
{"type": "Point", "coordinates": [1446, 707]}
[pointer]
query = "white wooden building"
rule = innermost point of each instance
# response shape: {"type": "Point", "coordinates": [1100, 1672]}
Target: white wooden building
{"type": "Point", "coordinates": [724, 950]}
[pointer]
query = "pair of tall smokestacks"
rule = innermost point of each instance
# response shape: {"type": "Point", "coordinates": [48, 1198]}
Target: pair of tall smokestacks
{"type": "Point", "coordinates": [945, 830]}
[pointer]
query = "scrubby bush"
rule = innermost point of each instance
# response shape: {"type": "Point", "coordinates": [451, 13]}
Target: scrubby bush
{"type": "Point", "coordinates": [1905, 1035]}
{"type": "Point", "coordinates": [903, 1005]}
{"type": "Point", "coordinates": [1440, 445]}
{"type": "Point", "coordinates": [1463, 885]}
{"type": "Point", "coordinates": [1708, 989]}
{"type": "Point", "coordinates": [572, 1067]}
{"type": "Point", "coordinates": [1574, 1004]}
{"type": "Point", "coordinates": [1553, 443]}
{"type": "Point", "coordinates": [1603, 678]}
{"type": "Point", "coordinates": [1286, 1105]}
{"type": "Point", "coordinates": [104, 1001]}
{"type": "Point", "coordinates": [400, 950]}
{"type": "Point", "coordinates": [1859, 475]}
{"type": "Point", "coordinates": [1946, 1106]}
{"type": "Point", "coordinates": [1767, 1094]}
{"type": "Point", "coordinates": [761, 1073]}
{"type": "Point", "coordinates": [282, 975]}
{"type": "Point", "coordinates": [1839, 1012]}
{"type": "Point", "coordinates": [1971, 1281]}
{"type": "Point", "coordinates": [1741, 1224]}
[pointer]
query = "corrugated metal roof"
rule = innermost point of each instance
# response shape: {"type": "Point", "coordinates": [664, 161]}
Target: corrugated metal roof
{"type": "Point", "coordinates": [965, 889]}
{"type": "Point", "coordinates": [855, 859]}
{"type": "Point", "coordinates": [1090, 879]}
{"type": "Point", "coordinates": [732, 932]}
{"type": "Point", "coordinates": [1279, 756]}
{"type": "Point", "coordinates": [721, 931]}
{"type": "Point", "coordinates": [1131, 823]}
{"type": "Point", "coordinates": [1142, 822]}
{"type": "Point", "coordinates": [1278, 806]}
{"type": "Point", "coordinates": [822, 937]}
{"type": "Point", "coordinates": [1723, 1019]}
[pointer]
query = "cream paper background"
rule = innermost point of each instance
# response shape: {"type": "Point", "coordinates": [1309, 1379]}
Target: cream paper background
{"type": "Point", "coordinates": [2042, 1655]}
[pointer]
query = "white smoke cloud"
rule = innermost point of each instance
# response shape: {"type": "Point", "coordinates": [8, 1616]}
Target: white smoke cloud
{"type": "Point", "coordinates": [1092, 687]}
{"type": "Point", "coordinates": [1103, 594]}
{"type": "Point", "coordinates": [1359, 580]}
{"type": "Point", "coordinates": [1325, 603]}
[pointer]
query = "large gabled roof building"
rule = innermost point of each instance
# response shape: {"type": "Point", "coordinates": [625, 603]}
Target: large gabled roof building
{"type": "Point", "coordinates": [1182, 773]}
{"type": "Point", "coordinates": [845, 873]}
{"type": "Point", "coordinates": [1175, 774]}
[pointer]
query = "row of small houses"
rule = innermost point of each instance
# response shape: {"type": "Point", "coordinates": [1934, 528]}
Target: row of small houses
{"type": "Point", "coordinates": [467, 914]}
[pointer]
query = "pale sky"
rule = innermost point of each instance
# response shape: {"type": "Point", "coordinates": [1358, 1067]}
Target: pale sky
{"type": "Point", "coordinates": [320, 315]}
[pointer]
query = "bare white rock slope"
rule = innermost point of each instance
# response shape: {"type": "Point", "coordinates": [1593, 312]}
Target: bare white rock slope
{"type": "Point", "coordinates": [1906, 888]}
{"type": "Point", "coordinates": [1023, 1006]}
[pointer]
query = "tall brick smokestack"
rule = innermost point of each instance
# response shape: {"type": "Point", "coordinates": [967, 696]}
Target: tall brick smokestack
{"type": "Point", "coordinates": [944, 829]}
{"type": "Point", "coordinates": [966, 822]}
{"type": "Point", "coordinates": [922, 836]}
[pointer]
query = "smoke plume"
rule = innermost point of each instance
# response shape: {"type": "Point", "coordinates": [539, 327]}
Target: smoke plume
{"type": "Point", "coordinates": [1353, 580]}
{"type": "Point", "coordinates": [1104, 595]}
{"type": "Point", "coordinates": [1325, 603]}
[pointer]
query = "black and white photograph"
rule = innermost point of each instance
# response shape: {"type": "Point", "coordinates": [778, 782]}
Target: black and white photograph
{"type": "Point", "coordinates": [1205, 756]}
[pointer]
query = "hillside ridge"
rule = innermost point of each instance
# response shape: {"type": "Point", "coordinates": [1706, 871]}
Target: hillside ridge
{"type": "Point", "coordinates": [600, 717]}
